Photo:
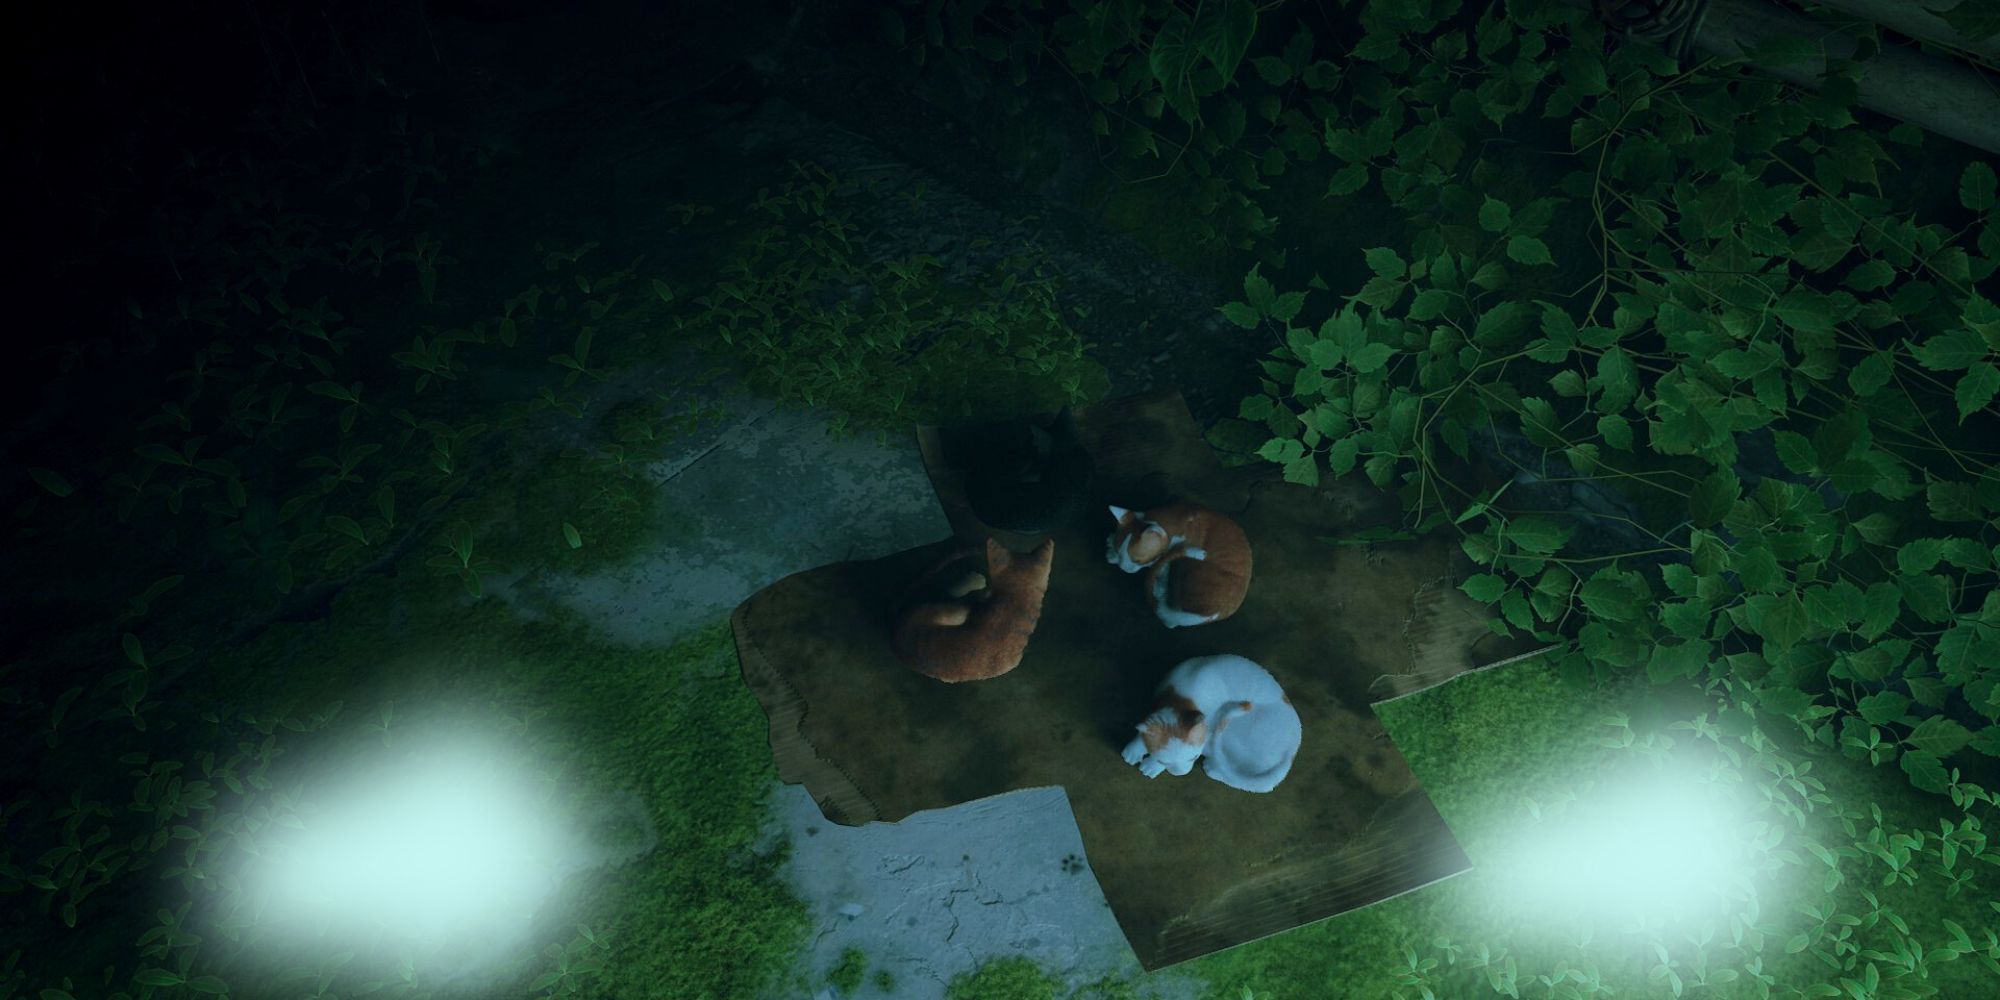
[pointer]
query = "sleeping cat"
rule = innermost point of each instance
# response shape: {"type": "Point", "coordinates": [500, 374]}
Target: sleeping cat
{"type": "Point", "coordinates": [1196, 561]}
{"type": "Point", "coordinates": [978, 627]}
{"type": "Point", "coordinates": [1255, 735]}
{"type": "Point", "coordinates": [1022, 476]}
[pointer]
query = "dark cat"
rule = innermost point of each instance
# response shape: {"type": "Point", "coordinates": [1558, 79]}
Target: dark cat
{"type": "Point", "coordinates": [1024, 477]}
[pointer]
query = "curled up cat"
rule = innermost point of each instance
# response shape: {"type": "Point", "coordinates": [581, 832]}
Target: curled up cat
{"type": "Point", "coordinates": [1229, 712]}
{"type": "Point", "coordinates": [1196, 561]}
{"type": "Point", "coordinates": [973, 626]}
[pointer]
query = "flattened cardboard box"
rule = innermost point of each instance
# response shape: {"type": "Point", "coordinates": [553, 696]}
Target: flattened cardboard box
{"type": "Point", "coordinates": [1188, 865]}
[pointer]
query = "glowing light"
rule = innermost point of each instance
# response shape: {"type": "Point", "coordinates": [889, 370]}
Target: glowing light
{"type": "Point", "coordinates": [435, 845]}
{"type": "Point", "coordinates": [1650, 845]}
{"type": "Point", "coordinates": [443, 850]}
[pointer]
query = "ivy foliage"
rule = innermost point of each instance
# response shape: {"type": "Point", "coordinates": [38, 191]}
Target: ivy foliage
{"type": "Point", "coordinates": [1720, 260]}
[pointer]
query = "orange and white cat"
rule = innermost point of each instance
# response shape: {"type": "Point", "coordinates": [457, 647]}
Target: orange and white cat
{"type": "Point", "coordinates": [1196, 560]}
{"type": "Point", "coordinates": [978, 627]}
{"type": "Point", "coordinates": [1255, 733]}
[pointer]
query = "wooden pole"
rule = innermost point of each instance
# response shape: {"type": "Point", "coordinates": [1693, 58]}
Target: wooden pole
{"type": "Point", "coordinates": [1915, 20]}
{"type": "Point", "coordinates": [1944, 96]}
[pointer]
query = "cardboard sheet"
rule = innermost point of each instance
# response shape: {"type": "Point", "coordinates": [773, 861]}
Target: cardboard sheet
{"type": "Point", "coordinates": [1189, 866]}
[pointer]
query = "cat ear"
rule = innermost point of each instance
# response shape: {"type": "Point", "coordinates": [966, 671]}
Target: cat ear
{"type": "Point", "coordinates": [1119, 512]}
{"type": "Point", "coordinates": [997, 556]}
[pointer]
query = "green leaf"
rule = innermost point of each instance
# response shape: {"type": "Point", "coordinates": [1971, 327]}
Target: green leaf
{"type": "Point", "coordinates": [134, 651]}
{"type": "Point", "coordinates": [1495, 215]}
{"type": "Point", "coordinates": [1386, 262]}
{"type": "Point", "coordinates": [1303, 470]}
{"type": "Point", "coordinates": [1976, 185]}
{"type": "Point", "coordinates": [1616, 430]}
{"type": "Point", "coordinates": [1539, 423]}
{"type": "Point", "coordinates": [1987, 741]}
{"type": "Point", "coordinates": [1484, 587]}
{"type": "Point", "coordinates": [1871, 275]}
{"type": "Point", "coordinates": [1939, 735]}
{"type": "Point", "coordinates": [1929, 690]}
{"type": "Point", "coordinates": [1975, 389]}
{"type": "Point", "coordinates": [1796, 452]}
{"type": "Point", "coordinates": [1609, 595]}
{"type": "Point", "coordinates": [1781, 618]}
{"type": "Point", "coordinates": [1224, 33]}
{"type": "Point", "coordinates": [208, 984]}
{"type": "Point", "coordinates": [1957, 650]}
{"type": "Point", "coordinates": [1884, 602]}
{"type": "Point", "coordinates": [1172, 55]}
{"type": "Point", "coordinates": [1949, 501]}
{"type": "Point", "coordinates": [1919, 555]}
{"type": "Point", "coordinates": [1950, 351]}
{"type": "Point", "coordinates": [1536, 533]}
{"type": "Point", "coordinates": [1379, 469]}
{"type": "Point", "coordinates": [1874, 372]}
{"type": "Point", "coordinates": [1877, 528]}
{"type": "Point", "coordinates": [51, 480]}
{"type": "Point", "coordinates": [1925, 771]}
{"type": "Point", "coordinates": [1928, 595]}
{"type": "Point", "coordinates": [1257, 289]}
{"type": "Point", "coordinates": [1713, 497]}
{"type": "Point", "coordinates": [1490, 275]}
{"type": "Point", "coordinates": [1883, 707]}
{"type": "Point", "coordinates": [1680, 659]}
{"type": "Point", "coordinates": [570, 533]}
{"type": "Point", "coordinates": [1273, 69]}
{"type": "Point", "coordinates": [1758, 568]}
{"type": "Point", "coordinates": [1340, 455]}
{"type": "Point", "coordinates": [1242, 315]}
{"type": "Point", "coordinates": [1529, 250]}
{"type": "Point", "coordinates": [1371, 358]}
{"type": "Point", "coordinates": [1286, 307]}
{"type": "Point", "coordinates": [1688, 619]}
{"type": "Point", "coordinates": [1787, 702]}
{"type": "Point", "coordinates": [1348, 179]}
{"type": "Point", "coordinates": [1617, 380]}
{"type": "Point", "coordinates": [1872, 663]}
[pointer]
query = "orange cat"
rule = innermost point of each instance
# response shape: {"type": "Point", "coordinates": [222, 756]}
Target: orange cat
{"type": "Point", "coordinates": [1196, 561]}
{"type": "Point", "coordinates": [977, 629]}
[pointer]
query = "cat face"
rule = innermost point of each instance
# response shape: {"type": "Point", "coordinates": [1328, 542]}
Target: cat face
{"type": "Point", "coordinates": [1131, 547]}
{"type": "Point", "coordinates": [1170, 740]}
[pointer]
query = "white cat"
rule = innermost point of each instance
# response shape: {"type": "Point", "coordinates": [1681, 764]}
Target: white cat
{"type": "Point", "coordinates": [1255, 734]}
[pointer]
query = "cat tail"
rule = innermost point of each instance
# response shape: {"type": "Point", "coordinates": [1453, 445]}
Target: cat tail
{"type": "Point", "coordinates": [1268, 780]}
{"type": "Point", "coordinates": [1228, 711]}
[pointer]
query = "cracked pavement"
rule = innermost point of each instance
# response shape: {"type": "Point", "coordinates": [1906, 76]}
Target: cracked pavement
{"type": "Point", "coordinates": [939, 893]}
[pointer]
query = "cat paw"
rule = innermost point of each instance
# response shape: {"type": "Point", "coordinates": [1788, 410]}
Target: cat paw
{"type": "Point", "coordinates": [1135, 751]}
{"type": "Point", "coordinates": [1152, 768]}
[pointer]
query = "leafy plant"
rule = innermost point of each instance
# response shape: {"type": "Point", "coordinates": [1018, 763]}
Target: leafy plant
{"type": "Point", "coordinates": [458, 559]}
{"type": "Point", "coordinates": [574, 964]}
